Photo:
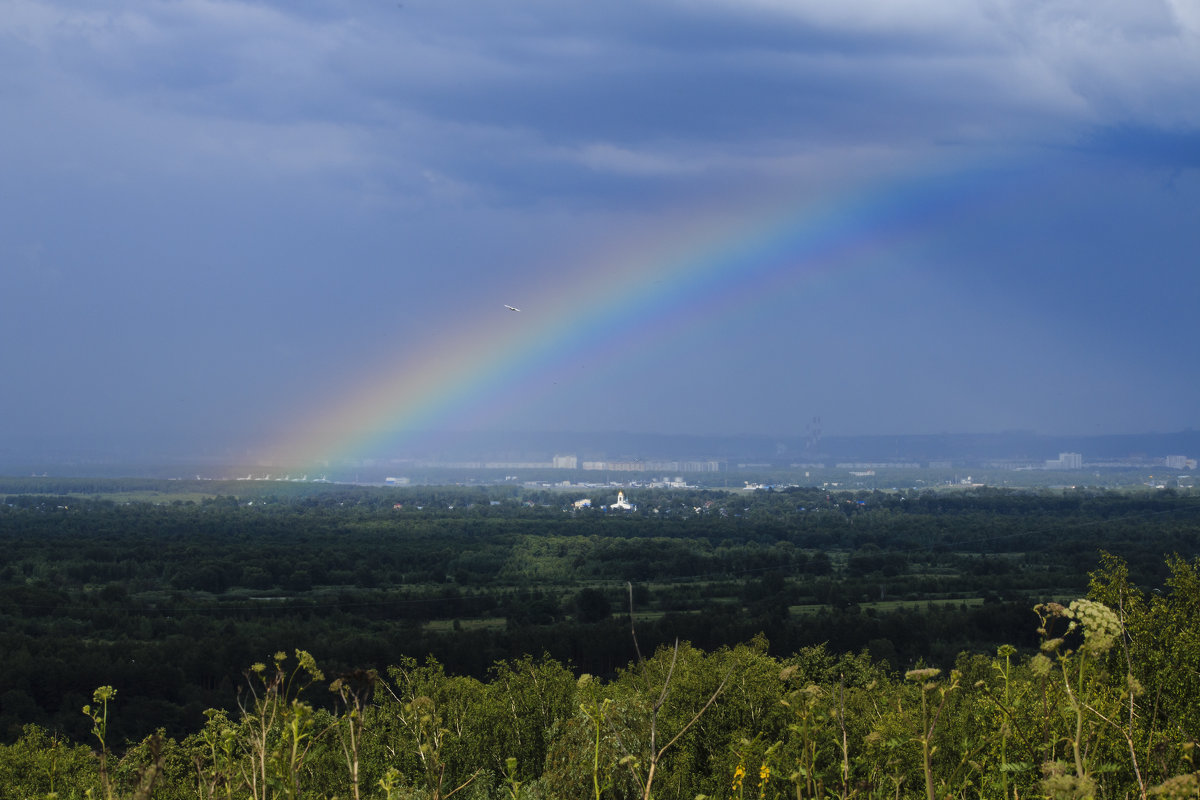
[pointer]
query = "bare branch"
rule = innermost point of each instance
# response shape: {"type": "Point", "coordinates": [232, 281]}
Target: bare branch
{"type": "Point", "coordinates": [632, 628]}
{"type": "Point", "coordinates": [696, 716]}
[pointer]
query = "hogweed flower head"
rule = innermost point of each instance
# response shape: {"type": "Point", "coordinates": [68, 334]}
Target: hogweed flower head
{"type": "Point", "coordinates": [919, 675]}
{"type": "Point", "coordinates": [1178, 788]}
{"type": "Point", "coordinates": [1060, 784]}
{"type": "Point", "coordinates": [1046, 612]}
{"type": "Point", "coordinates": [1101, 625]}
{"type": "Point", "coordinates": [1040, 665]}
{"type": "Point", "coordinates": [1051, 645]}
{"type": "Point", "coordinates": [309, 665]}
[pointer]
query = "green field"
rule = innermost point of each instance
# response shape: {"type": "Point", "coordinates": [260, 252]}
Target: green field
{"type": "Point", "coordinates": [101, 582]}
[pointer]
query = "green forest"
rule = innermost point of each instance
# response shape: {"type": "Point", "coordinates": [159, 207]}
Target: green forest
{"type": "Point", "coordinates": [275, 640]}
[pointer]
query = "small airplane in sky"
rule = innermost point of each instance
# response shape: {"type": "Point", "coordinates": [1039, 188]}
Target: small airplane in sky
{"type": "Point", "coordinates": [511, 308]}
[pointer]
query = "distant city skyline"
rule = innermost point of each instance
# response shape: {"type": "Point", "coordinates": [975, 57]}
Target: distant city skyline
{"type": "Point", "coordinates": [620, 453]}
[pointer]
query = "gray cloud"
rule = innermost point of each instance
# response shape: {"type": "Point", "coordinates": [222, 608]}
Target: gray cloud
{"type": "Point", "coordinates": [305, 186]}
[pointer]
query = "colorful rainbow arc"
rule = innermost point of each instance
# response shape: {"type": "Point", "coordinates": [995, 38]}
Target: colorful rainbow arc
{"type": "Point", "coordinates": [698, 274]}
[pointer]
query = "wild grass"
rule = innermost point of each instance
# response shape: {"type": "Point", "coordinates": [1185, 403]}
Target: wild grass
{"type": "Point", "coordinates": [1105, 708]}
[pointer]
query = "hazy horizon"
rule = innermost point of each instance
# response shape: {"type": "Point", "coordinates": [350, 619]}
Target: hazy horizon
{"type": "Point", "coordinates": [266, 227]}
{"type": "Point", "coordinates": [67, 456]}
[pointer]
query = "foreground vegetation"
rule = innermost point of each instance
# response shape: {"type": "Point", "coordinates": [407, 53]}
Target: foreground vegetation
{"type": "Point", "coordinates": [1105, 708]}
{"type": "Point", "coordinates": [168, 593]}
{"type": "Point", "coordinates": [481, 638]}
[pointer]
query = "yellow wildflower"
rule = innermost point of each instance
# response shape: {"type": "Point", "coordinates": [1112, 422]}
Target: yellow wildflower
{"type": "Point", "coordinates": [738, 774]}
{"type": "Point", "coordinates": [764, 775]}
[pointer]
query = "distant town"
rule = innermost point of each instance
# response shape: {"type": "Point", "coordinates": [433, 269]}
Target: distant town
{"type": "Point", "coordinates": [1064, 461]}
{"type": "Point", "coordinates": [569, 471]}
{"type": "Point", "coordinates": [660, 460]}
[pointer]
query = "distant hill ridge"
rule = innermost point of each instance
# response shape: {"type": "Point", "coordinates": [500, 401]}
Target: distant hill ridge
{"type": "Point", "coordinates": [80, 456]}
{"type": "Point", "coordinates": [1016, 446]}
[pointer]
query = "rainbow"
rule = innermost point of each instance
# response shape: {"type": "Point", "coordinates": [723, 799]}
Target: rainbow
{"type": "Point", "coordinates": [703, 271]}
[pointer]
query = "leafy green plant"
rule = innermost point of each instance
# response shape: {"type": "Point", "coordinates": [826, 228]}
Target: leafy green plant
{"type": "Point", "coordinates": [42, 764]}
{"type": "Point", "coordinates": [1098, 627]}
{"type": "Point", "coordinates": [354, 689]}
{"type": "Point", "coordinates": [596, 710]}
{"type": "Point", "coordinates": [930, 716]}
{"type": "Point", "coordinates": [1079, 719]}
{"type": "Point", "coordinates": [424, 735]}
{"type": "Point", "coordinates": [277, 728]}
{"type": "Point", "coordinates": [810, 717]}
{"type": "Point", "coordinates": [644, 767]}
{"type": "Point", "coordinates": [99, 716]}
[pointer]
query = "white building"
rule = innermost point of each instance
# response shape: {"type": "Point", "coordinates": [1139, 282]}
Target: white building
{"type": "Point", "coordinates": [1066, 461]}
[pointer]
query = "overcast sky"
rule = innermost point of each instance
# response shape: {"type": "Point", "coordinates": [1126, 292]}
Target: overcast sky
{"type": "Point", "coordinates": [221, 220]}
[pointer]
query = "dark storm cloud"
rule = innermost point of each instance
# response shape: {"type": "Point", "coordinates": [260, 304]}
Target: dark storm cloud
{"type": "Point", "coordinates": [1156, 147]}
{"type": "Point", "coordinates": [242, 203]}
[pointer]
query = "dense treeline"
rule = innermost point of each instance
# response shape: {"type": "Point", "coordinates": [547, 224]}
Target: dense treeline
{"type": "Point", "coordinates": [169, 600]}
{"type": "Point", "coordinates": [1104, 707]}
